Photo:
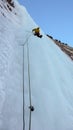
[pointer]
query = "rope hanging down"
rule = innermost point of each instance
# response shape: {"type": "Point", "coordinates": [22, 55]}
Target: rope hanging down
{"type": "Point", "coordinates": [23, 92]}
{"type": "Point", "coordinates": [30, 107]}
{"type": "Point", "coordinates": [23, 98]}
{"type": "Point", "coordinates": [23, 83]}
{"type": "Point", "coordinates": [29, 87]}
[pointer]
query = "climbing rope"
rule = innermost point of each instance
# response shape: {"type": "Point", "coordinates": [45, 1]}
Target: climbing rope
{"type": "Point", "coordinates": [29, 86]}
{"type": "Point", "coordinates": [31, 108]}
{"type": "Point", "coordinates": [23, 92]}
{"type": "Point", "coordinates": [23, 95]}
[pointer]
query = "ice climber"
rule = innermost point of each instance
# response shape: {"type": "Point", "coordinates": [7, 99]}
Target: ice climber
{"type": "Point", "coordinates": [36, 32]}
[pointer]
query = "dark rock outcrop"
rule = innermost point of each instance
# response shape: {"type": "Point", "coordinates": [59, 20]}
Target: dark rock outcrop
{"type": "Point", "coordinates": [63, 46]}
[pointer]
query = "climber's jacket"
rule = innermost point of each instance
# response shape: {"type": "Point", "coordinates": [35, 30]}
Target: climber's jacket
{"type": "Point", "coordinates": [36, 30]}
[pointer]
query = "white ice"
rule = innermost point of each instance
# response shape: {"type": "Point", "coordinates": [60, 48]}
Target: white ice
{"type": "Point", "coordinates": [51, 76]}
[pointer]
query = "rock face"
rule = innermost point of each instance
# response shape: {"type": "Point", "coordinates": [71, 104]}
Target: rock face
{"type": "Point", "coordinates": [10, 2]}
{"type": "Point", "coordinates": [7, 5]}
{"type": "Point", "coordinates": [64, 47]}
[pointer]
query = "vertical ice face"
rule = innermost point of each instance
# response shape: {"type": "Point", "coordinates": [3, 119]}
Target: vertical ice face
{"type": "Point", "coordinates": [51, 75]}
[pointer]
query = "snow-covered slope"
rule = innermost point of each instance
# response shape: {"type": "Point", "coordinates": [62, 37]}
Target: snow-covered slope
{"type": "Point", "coordinates": [51, 75]}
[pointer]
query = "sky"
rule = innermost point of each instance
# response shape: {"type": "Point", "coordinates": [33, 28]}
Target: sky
{"type": "Point", "coordinates": [55, 17]}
